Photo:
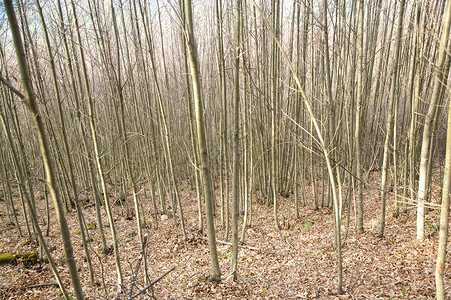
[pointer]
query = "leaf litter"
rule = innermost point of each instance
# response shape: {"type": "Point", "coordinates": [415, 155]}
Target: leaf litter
{"type": "Point", "coordinates": [298, 262]}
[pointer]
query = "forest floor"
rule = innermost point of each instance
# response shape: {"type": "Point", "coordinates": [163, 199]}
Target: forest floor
{"type": "Point", "coordinates": [297, 262]}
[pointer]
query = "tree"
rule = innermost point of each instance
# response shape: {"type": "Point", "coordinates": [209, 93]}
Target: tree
{"type": "Point", "coordinates": [444, 213]}
{"type": "Point", "coordinates": [201, 139]}
{"type": "Point", "coordinates": [276, 103]}
{"type": "Point", "coordinates": [390, 118]}
{"type": "Point", "coordinates": [30, 102]}
{"type": "Point", "coordinates": [97, 154]}
{"type": "Point", "coordinates": [28, 199]}
{"type": "Point", "coordinates": [66, 145]}
{"type": "Point", "coordinates": [336, 191]}
{"type": "Point", "coordinates": [236, 141]}
{"type": "Point", "coordinates": [446, 187]}
{"type": "Point", "coordinates": [357, 133]}
{"type": "Point", "coordinates": [441, 76]}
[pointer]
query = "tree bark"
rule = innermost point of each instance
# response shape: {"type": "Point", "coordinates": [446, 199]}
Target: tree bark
{"type": "Point", "coordinates": [236, 140]}
{"type": "Point", "coordinates": [388, 135]}
{"type": "Point", "coordinates": [440, 78]}
{"type": "Point", "coordinates": [30, 102]}
{"type": "Point", "coordinates": [201, 139]}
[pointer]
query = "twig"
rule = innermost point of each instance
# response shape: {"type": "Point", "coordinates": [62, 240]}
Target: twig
{"type": "Point", "coordinates": [103, 270]}
{"type": "Point", "coordinates": [151, 284]}
{"type": "Point", "coordinates": [13, 89]}
{"type": "Point", "coordinates": [135, 274]}
{"type": "Point", "coordinates": [352, 286]}
{"type": "Point", "coordinates": [289, 244]}
{"type": "Point", "coordinates": [248, 247]}
{"type": "Point", "coordinates": [42, 285]}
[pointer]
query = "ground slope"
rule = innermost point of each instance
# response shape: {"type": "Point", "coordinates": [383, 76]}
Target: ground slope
{"type": "Point", "coordinates": [298, 262]}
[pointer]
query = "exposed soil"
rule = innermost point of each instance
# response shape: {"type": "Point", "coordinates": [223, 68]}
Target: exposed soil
{"type": "Point", "coordinates": [298, 262]}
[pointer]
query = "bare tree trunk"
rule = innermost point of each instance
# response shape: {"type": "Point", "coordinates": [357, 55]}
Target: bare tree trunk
{"type": "Point", "coordinates": [236, 140]}
{"type": "Point", "coordinates": [201, 139]}
{"type": "Point", "coordinates": [335, 188]}
{"type": "Point", "coordinates": [357, 133]}
{"type": "Point", "coordinates": [444, 213]}
{"type": "Point", "coordinates": [66, 147]}
{"type": "Point", "coordinates": [192, 126]}
{"type": "Point", "coordinates": [388, 135]}
{"type": "Point", "coordinates": [224, 140]}
{"type": "Point", "coordinates": [32, 107]}
{"type": "Point", "coordinates": [275, 6]}
{"type": "Point", "coordinates": [440, 78]}
{"type": "Point", "coordinates": [91, 116]}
